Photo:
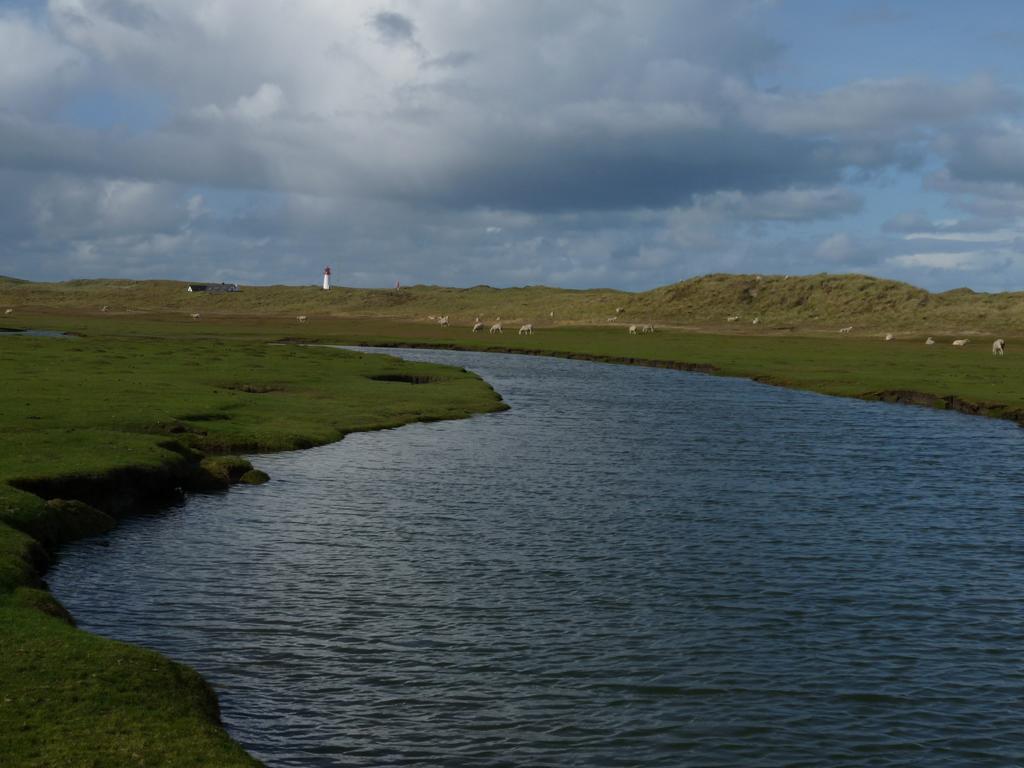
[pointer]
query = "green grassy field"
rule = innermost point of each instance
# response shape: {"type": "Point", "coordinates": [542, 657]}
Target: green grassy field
{"type": "Point", "coordinates": [121, 422]}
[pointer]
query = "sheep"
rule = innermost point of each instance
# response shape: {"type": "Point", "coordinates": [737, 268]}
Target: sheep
{"type": "Point", "coordinates": [611, 319]}
{"type": "Point", "coordinates": [632, 330]}
{"type": "Point", "coordinates": [8, 311]}
{"type": "Point", "coordinates": [960, 342]}
{"type": "Point", "coordinates": [888, 337]}
{"type": "Point", "coordinates": [619, 310]}
{"type": "Point", "coordinates": [526, 330]}
{"type": "Point", "coordinates": [647, 329]}
{"type": "Point", "coordinates": [478, 326]}
{"type": "Point", "coordinates": [195, 315]}
{"type": "Point", "coordinates": [104, 308]}
{"type": "Point", "coordinates": [496, 328]}
{"type": "Point", "coordinates": [301, 318]}
{"type": "Point", "coordinates": [732, 318]}
{"type": "Point", "coordinates": [929, 341]}
{"type": "Point", "coordinates": [998, 346]}
{"type": "Point", "coordinates": [756, 321]}
{"type": "Point", "coordinates": [431, 317]}
{"type": "Point", "coordinates": [443, 321]}
{"type": "Point", "coordinates": [847, 329]}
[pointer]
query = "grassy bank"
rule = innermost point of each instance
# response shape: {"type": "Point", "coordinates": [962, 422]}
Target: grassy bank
{"type": "Point", "coordinates": [101, 425]}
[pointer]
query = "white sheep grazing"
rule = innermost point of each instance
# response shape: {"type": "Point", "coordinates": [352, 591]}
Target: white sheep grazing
{"type": "Point", "coordinates": [526, 330]}
{"type": "Point", "coordinates": [105, 308]}
{"type": "Point", "coordinates": [847, 329]}
{"type": "Point", "coordinates": [732, 318]}
{"type": "Point", "coordinates": [619, 310]}
{"type": "Point", "coordinates": [960, 342]}
{"type": "Point", "coordinates": [998, 347]}
{"type": "Point", "coordinates": [478, 326]}
{"type": "Point", "coordinates": [301, 318]}
{"type": "Point", "coordinates": [444, 321]}
{"type": "Point", "coordinates": [929, 341]}
{"type": "Point", "coordinates": [496, 328]}
{"type": "Point", "coordinates": [888, 337]}
{"type": "Point", "coordinates": [8, 311]}
{"type": "Point", "coordinates": [611, 319]}
{"type": "Point", "coordinates": [647, 329]}
{"type": "Point", "coordinates": [756, 321]}
{"type": "Point", "coordinates": [195, 315]}
{"type": "Point", "coordinates": [632, 330]}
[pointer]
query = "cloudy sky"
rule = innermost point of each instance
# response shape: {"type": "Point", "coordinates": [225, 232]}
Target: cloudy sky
{"type": "Point", "coordinates": [580, 144]}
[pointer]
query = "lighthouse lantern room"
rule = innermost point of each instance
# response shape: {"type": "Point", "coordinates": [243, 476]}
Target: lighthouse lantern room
{"type": "Point", "coordinates": [327, 278]}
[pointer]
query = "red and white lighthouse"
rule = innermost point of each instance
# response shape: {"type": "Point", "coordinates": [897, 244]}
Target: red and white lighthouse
{"type": "Point", "coordinates": [327, 278]}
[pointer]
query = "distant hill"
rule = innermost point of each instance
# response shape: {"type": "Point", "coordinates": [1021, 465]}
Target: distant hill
{"type": "Point", "coordinates": [811, 302]}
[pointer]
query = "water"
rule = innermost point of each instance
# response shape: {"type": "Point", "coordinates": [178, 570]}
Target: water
{"type": "Point", "coordinates": [631, 567]}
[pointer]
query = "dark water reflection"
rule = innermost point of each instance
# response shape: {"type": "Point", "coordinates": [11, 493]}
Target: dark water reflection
{"type": "Point", "coordinates": [630, 567]}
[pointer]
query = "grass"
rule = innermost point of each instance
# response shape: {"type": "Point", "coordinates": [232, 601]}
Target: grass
{"type": "Point", "coordinates": [113, 422]}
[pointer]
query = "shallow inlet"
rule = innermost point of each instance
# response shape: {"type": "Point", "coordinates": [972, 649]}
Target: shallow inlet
{"type": "Point", "coordinates": [632, 566]}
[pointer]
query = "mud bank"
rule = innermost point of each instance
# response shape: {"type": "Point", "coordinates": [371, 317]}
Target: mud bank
{"type": "Point", "coordinates": [948, 403]}
{"type": "Point", "coordinates": [78, 506]}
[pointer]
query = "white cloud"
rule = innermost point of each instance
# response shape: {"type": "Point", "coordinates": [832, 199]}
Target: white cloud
{"type": "Point", "coordinates": [949, 260]}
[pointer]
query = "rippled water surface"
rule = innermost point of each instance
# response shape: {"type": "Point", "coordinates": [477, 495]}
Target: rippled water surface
{"type": "Point", "coordinates": [630, 567]}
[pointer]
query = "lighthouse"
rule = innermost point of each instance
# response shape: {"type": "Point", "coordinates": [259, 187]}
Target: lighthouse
{"type": "Point", "coordinates": [327, 278]}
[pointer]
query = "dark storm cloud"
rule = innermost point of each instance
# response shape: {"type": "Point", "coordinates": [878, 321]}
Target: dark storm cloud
{"type": "Point", "coordinates": [594, 173]}
{"type": "Point", "coordinates": [179, 157]}
{"type": "Point", "coordinates": [394, 28]}
{"type": "Point", "coordinates": [993, 154]}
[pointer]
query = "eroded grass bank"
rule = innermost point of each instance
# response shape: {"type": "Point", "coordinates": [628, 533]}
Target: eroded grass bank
{"type": "Point", "coordinates": [96, 427]}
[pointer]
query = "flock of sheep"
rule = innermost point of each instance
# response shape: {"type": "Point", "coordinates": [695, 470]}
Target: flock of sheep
{"type": "Point", "coordinates": [527, 329]}
{"type": "Point", "coordinates": [998, 346]}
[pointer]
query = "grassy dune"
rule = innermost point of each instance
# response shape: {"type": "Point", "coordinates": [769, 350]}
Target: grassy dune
{"type": "Point", "coordinates": [97, 426]}
{"type": "Point", "coordinates": [801, 303]}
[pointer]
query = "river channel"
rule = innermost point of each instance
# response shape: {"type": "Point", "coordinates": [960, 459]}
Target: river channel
{"type": "Point", "coordinates": [630, 567]}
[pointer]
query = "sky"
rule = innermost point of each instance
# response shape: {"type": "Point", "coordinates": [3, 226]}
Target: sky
{"type": "Point", "coordinates": [570, 143]}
